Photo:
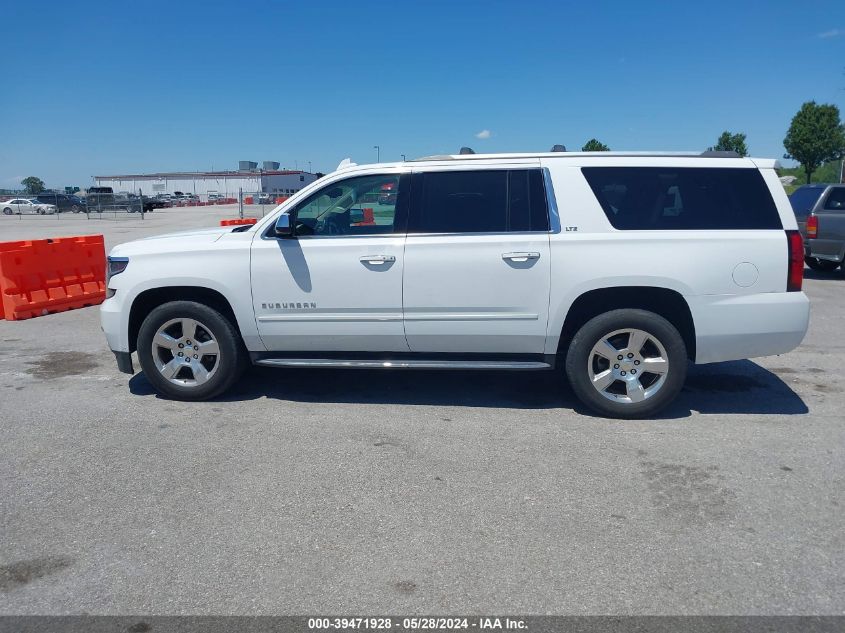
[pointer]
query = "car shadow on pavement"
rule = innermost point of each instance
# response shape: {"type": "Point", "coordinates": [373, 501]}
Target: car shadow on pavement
{"type": "Point", "coordinates": [740, 386]}
{"type": "Point", "coordinates": [735, 387]}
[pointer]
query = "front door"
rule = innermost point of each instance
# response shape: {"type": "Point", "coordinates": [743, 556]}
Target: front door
{"type": "Point", "coordinates": [337, 284]}
{"type": "Point", "coordinates": [477, 262]}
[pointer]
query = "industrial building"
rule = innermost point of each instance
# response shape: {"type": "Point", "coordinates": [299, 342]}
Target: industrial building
{"type": "Point", "coordinates": [248, 178]}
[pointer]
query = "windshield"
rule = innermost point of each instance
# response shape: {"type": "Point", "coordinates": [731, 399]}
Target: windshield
{"type": "Point", "coordinates": [804, 199]}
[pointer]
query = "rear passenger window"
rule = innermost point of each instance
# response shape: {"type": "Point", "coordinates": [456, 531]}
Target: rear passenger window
{"type": "Point", "coordinates": [836, 200]}
{"type": "Point", "coordinates": [685, 198]}
{"type": "Point", "coordinates": [483, 201]}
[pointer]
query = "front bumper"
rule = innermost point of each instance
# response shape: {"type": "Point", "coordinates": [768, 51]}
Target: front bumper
{"type": "Point", "coordinates": [114, 326]}
{"type": "Point", "coordinates": [124, 362]}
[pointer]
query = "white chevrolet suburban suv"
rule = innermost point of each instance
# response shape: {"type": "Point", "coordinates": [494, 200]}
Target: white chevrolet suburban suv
{"type": "Point", "coordinates": [620, 268]}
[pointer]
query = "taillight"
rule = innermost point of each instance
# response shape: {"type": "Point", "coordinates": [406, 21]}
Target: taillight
{"type": "Point", "coordinates": [795, 274]}
{"type": "Point", "coordinates": [812, 226]}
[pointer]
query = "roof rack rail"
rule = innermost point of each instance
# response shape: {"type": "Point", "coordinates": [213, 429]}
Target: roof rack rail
{"type": "Point", "coordinates": [433, 157]}
{"type": "Point", "coordinates": [717, 153]}
{"type": "Point", "coordinates": [468, 154]}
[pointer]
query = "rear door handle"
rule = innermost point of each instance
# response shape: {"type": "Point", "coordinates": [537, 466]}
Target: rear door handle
{"type": "Point", "coordinates": [377, 259]}
{"type": "Point", "coordinates": [520, 257]}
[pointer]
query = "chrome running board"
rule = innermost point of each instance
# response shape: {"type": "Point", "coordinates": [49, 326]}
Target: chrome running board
{"type": "Point", "coordinates": [402, 364]}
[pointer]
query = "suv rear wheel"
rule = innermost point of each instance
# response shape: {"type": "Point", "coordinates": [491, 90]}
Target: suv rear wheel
{"type": "Point", "coordinates": [627, 363]}
{"type": "Point", "coordinates": [189, 351]}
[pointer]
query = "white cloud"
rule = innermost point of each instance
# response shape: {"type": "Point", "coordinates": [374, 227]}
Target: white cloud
{"type": "Point", "coordinates": [483, 134]}
{"type": "Point", "coordinates": [831, 33]}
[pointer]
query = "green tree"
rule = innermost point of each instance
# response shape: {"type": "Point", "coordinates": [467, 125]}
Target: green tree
{"type": "Point", "coordinates": [594, 145]}
{"type": "Point", "coordinates": [815, 136]}
{"type": "Point", "coordinates": [731, 143]}
{"type": "Point", "coordinates": [33, 185]}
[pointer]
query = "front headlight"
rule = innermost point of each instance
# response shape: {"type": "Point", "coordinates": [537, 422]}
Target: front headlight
{"type": "Point", "coordinates": [115, 266]}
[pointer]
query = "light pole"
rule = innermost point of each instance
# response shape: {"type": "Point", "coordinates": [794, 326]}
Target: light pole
{"type": "Point", "coordinates": [378, 153]}
{"type": "Point", "coordinates": [309, 166]}
{"type": "Point", "coordinates": [403, 157]}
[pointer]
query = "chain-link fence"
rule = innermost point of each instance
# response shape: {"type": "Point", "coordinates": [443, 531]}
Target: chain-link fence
{"type": "Point", "coordinates": [102, 203]}
{"type": "Point", "coordinates": [258, 203]}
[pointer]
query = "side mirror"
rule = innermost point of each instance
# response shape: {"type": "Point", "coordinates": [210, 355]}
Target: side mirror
{"type": "Point", "coordinates": [284, 226]}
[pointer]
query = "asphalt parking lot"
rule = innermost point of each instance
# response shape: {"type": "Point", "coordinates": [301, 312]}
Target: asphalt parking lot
{"type": "Point", "coordinates": [364, 492]}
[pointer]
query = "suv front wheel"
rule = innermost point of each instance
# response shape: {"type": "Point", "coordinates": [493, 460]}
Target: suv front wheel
{"type": "Point", "coordinates": [189, 351]}
{"type": "Point", "coordinates": [627, 363]}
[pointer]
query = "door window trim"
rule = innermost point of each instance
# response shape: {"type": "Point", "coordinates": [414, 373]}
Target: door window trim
{"type": "Point", "coordinates": [400, 217]}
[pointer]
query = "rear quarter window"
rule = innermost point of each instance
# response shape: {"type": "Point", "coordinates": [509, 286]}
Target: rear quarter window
{"type": "Point", "coordinates": [683, 198]}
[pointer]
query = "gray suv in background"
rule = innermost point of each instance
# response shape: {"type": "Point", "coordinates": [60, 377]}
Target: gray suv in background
{"type": "Point", "coordinates": [820, 213]}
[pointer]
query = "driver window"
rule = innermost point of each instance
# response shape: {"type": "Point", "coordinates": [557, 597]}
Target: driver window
{"type": "Point", "coordinates": [365, 205]}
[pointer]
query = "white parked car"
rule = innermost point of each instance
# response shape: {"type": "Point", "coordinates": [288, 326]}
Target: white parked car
{"type": "Point", "coordinates": [22, 206]}
{"type": "Point", "coordinates": [617, 268]}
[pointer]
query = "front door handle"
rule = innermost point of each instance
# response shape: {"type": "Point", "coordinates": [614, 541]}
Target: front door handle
{"type": "Point", "coordinates": [520, 257]}
{"type": "Point", "coordinates": [377, 259]}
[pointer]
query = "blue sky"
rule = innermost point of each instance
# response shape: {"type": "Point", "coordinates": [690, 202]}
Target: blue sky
{"type": "Point", "coordinates": [114, 87]}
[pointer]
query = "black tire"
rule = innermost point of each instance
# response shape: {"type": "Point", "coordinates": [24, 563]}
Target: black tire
{"type": "Point", "coordinates": [821, 265]}
{"type": "Point", "coordinates": [595, 330]}
{"type": "Point", "coordinates": [232, 359]}
{"type": "Point", "coordinates": [7, 211]}
{"type": "Point", "coordinates": [75, 208]}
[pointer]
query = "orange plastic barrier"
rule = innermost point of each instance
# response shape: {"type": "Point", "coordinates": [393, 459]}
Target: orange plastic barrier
{"type": "Point", "coordinates": [238, 221]}
{"type": "Point", "coordinates": [281, 199]}
{"type": "Point", "coordinates": [38, 277]}
{"type": "Point", "coordinates": [369, 218]}
{"type": "Point", "coordinates": [248, 200]}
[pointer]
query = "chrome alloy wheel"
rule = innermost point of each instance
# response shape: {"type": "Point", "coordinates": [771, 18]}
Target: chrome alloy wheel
{"type": "Point", "coordinates": [628, 366]}
{"type": "Point", "coordinates": [185, 352]}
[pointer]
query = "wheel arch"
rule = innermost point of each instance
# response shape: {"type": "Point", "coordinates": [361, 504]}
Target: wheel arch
{"type": "Point", "coordinates": [670, 304]}
{"type": "Point", "coordinates": [148, 300]}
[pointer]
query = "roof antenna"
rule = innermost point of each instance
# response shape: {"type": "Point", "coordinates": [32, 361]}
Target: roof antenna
{"type": "Point", "coordinates": [558, 148]}
{"type": "Point", "coordinates": [466, 150]}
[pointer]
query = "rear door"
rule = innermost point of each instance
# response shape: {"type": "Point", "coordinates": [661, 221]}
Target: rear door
{"type": "Point", "coordinates": [477, 261]}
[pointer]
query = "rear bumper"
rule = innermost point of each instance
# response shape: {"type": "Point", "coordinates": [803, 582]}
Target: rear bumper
{"type": "Point", "coordinates": [829, 250]}
{"type": "Point", "coordinates": [734, 327]}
